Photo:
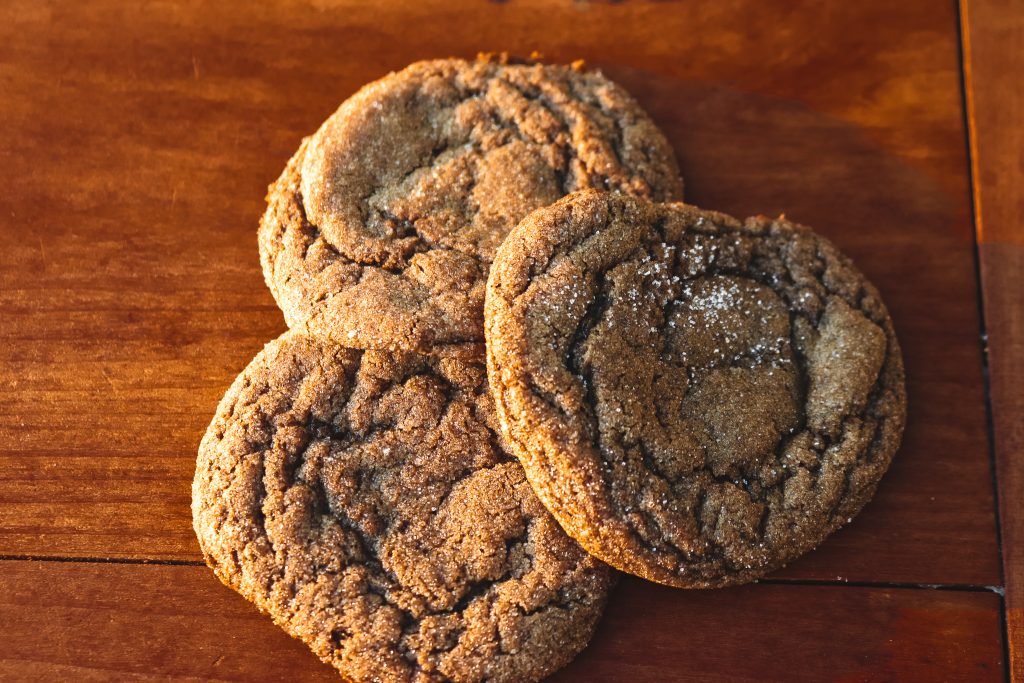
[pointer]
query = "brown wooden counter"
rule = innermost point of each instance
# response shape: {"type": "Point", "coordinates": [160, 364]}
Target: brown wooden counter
{"type": "Point", "coordinates": [136, 144]}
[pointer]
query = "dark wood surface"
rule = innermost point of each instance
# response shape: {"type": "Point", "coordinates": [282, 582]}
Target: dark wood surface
{"type": "Point", "coordinates": [136, 143]}
{"type": "Point", "coordinates": [994, 56]}
{"type": "Point", "coordinates": [173, 622]}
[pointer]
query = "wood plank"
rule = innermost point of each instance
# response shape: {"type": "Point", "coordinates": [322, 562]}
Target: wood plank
{"type": "Point", "coordinates": [144, 622]}
{"type": "Point", "coordinates": [137, 144]}
{"type": "Point", "coordinates": [994, 52]}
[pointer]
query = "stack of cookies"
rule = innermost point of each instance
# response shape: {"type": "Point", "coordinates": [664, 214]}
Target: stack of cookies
{"type": "Point", "coordinates": [517, 360]}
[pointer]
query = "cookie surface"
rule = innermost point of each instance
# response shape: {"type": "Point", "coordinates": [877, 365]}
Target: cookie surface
{"type": "Point", "coordinates": [697, 400]}
{"type": "Point", "coordinates": [362, 499]}
{"type": "Point", "coordinates": [380, 231]}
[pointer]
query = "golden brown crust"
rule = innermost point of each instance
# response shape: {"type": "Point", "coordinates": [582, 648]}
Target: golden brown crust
{"type": "Point", "coordinates": [697, 400]}
{"type": "Point", "coordinates": [364, 501]}
{"type": "Point", "coordinates": [380, 231]}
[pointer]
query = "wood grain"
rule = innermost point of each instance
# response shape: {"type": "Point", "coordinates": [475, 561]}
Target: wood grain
{"type": "Point", "coordinates": [134, 170]}
{"type": "Point", "coordinates": [136, 143]}
{"type": "Point", "coordinates": [97, 621]}
{"type": "Point", "coordinates": [994, 53]}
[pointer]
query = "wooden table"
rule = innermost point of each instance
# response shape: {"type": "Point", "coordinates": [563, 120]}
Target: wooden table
{"type": "Point", "coordinates": [136, 143]}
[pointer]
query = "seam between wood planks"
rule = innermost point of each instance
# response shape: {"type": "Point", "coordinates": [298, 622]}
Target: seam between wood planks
{"type": "Point", "coordinates": [970, 141]}
{"type": "Point", "coordinates": [957, 587]}
{"type": "Point", "coordinates": [100, 560]}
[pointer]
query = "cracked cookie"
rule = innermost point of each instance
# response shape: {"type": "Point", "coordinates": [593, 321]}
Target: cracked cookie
{"type": "Point", "coordinates": [364, 501]}
{"type": "Point", "coordinates": [380, 231]}
{"type": "Point", "coordinates": [697, 400]}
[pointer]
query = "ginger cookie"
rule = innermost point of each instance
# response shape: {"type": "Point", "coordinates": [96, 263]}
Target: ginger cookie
{"type": "Point", "coordinates": [363, 500]}
{"type": "Point", "coordinates": [697, 400]}
{"type": "Point", "coordinates": [380, 231]}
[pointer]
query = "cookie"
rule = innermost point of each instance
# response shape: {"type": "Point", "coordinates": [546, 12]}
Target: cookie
{"type": "Point", "coordinates": [363, 500]}
{"type": "Point", "coordinates": [380, 231]}
{"type": "Point", "coordinates": [697, 400]}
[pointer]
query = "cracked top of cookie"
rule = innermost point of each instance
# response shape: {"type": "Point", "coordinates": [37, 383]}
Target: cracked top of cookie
{"type": "Point", "coordinates": [697, 400]}
{"type": "Point", "coordinates": [381, 229]}
{"type": "Point", "coordinates": [364, 501]}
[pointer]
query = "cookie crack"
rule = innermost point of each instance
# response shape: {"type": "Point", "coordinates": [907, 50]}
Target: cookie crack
{"type": "Point", "coordinates": [768, 266]}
